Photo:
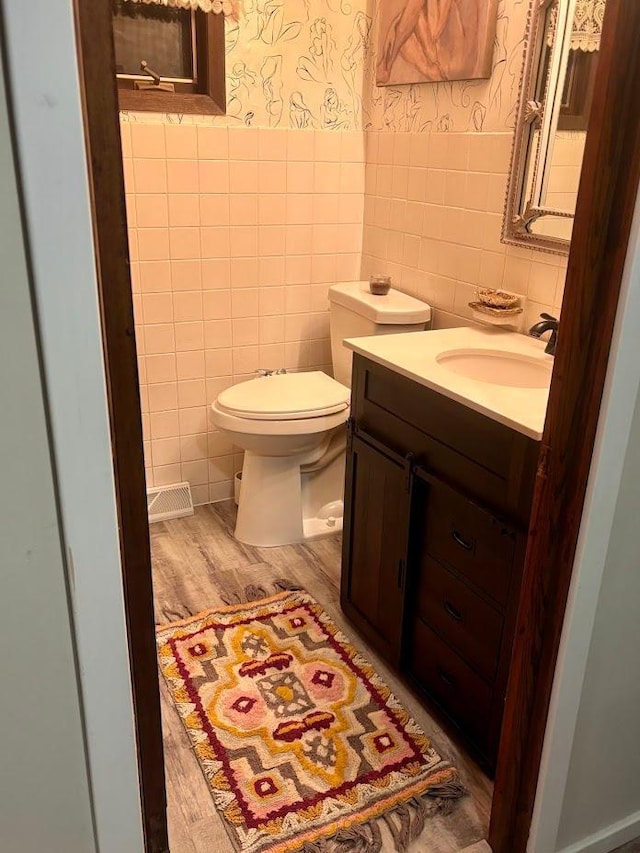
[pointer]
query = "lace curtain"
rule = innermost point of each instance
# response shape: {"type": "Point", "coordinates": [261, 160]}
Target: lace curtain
{"type": "Point", "coordinates": [228, 8]}
{"type": "Point", "coordinates": [587, 25]}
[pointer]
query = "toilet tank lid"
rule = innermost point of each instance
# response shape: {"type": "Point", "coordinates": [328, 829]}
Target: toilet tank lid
{"type": "Point", "coordinates": [396, 308]}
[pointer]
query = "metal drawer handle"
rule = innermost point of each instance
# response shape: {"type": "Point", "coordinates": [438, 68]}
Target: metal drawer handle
{"type": "Point", "coordinates": [468, 546]}
{"type": "Point", "coordinates": [452, 611]}
{"type": "Point", "coordinates": [446, 678]}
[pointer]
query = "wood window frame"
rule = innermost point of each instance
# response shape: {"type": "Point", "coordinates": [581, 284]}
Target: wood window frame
{"type": "Point", "coordinates": [606, 201]}
{"type": "Point", "coordinates": [211, 100]}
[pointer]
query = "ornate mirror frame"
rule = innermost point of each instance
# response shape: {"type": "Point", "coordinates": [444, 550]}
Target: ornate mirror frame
{"type": "Point", "coordinates": [538, 112]}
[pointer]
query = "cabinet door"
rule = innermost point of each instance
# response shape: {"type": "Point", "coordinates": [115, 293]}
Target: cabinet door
{"type": "Point", "coordinates": [377, 509]}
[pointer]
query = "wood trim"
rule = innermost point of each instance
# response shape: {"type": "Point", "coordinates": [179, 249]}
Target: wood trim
{"type": "Point", "coordinates": [97, 79]}
{"type": "Point", "coordinates": [606, 201]}
{"type": "Point", "coordinates": [210, 97]}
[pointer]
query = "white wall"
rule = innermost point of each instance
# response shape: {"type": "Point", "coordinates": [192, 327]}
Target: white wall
{"type": "Point", "coordinates": [43, 80]}
{"type": "Point", "coordinates": [44, 788]}
{"type": "Point", "coordinates": [603, 785]}
{"type": "Point", "coordinates": [588, 797]}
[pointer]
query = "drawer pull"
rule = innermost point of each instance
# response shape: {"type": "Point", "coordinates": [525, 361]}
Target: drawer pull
{"type": "Point", "coordinates": [446, 678]}
{"type": "Point", "coordinates": [468, 546]}
{"type": "Point", "coordinates": [452, 611]}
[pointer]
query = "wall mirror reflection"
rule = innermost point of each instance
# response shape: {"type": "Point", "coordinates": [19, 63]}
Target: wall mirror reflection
{"type": "Point", "coordinates": [555, 101]}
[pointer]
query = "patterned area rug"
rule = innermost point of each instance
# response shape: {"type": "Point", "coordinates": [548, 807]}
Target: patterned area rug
{"type": "Point", "coordinates": [303, 746]}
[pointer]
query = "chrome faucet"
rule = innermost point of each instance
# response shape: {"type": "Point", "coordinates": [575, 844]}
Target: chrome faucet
{"type": "Point", "coordinates": [547, 324]}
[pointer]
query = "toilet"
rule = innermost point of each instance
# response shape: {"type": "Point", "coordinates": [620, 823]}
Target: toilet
{"type": "Point", "coordinates": [292, 426]}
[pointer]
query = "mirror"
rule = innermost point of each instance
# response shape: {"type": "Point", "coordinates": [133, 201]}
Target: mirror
{"type": "Point", "coordinates": [563, 40]}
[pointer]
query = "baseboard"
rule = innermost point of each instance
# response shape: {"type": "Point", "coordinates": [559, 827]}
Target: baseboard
{"type": "Point", "coordinates": [609, 838]}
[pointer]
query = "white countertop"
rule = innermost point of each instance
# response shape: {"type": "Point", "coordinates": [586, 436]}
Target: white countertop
{"type": "Point", "coordinates": [414, 354]}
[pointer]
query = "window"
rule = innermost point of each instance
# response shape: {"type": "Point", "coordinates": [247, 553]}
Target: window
{"type": "Point", "coordinates": [183, 51]}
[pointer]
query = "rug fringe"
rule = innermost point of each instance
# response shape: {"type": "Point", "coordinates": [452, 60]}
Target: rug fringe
{"type": "Point", "coordinates": [254, 592]}
{"type": "Point", "coordinates": [174, 614]}
{"type": "Point", "coordinates": [406, 823]}
{"type": "Point", "coordinates": [286, 585]}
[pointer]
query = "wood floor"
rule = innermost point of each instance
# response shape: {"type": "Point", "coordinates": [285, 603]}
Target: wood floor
{"type": "Point", "coordinates": [198, 564]}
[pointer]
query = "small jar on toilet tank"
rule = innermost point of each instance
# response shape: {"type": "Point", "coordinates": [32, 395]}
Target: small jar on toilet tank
{"type": "Point", "coordinates": [380, 285]}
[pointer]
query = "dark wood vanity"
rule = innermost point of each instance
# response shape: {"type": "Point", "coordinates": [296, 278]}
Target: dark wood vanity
{"type": "Point", "coordinates": [437, 508]}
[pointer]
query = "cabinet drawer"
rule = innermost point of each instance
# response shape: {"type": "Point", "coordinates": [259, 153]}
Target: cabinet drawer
{"type": "Point", "coordinates": [473, 541]}
{"type": "Point", "coordinates": [461, 693]}
{"type": "Point", "coordinates": [460, 616]}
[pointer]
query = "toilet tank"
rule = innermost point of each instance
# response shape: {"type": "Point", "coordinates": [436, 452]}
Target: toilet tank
{"type": "Point", "coordinates": [355, 312]}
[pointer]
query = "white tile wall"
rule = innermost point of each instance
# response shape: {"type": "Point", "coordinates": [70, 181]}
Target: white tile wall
{"type": "Point", "coordinates": [235, 236]}
{"type": "Point", "coordinates": [433, 218]}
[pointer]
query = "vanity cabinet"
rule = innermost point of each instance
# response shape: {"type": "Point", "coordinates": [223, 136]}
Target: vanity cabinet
{"type": "Point", "coordinates": [437, 504]}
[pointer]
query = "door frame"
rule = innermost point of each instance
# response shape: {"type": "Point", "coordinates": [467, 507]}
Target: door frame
{"type": "Point", "coordinates": [106, 183]}
{"type": "Point", "coordinates": [608, 190]}
{"type": "Point", "coordinates": [604, 214]}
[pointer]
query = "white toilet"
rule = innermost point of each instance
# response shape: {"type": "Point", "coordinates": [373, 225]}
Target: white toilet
{"type": "Point", "coordinates": [292, 425]}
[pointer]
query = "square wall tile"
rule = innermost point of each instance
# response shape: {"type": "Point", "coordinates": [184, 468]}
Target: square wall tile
{"type": "Point", "coordinates": [161, 368]}
{"type": "Point", "coordinates": [187, 305]}
{"type": "Point", "coordinates": [243, 209]}
{"type": "Point", "coordinates": [184, 243]}
{"type": "Point", "coordinates": [217, 334]}
{"type": "Point", "coordinates": [151, 210]}
{"type": "Point", "coordinates": [214, 209]}
{"type": "Point", "coordinates": [147, 140]}
{"type": "Point", "coordinates": [189, 336]}
{"type": "Point", "coordinates": [216, 274]}
{"type": "Point", "coordinates": [244, 302]}
{"type": "Point", "coordinates": [243, 176]}
{"type": "Point", "coordinates": [244, 272]}
{"type": "Point", "coordinates": [153, 244]}
{"type": "Point", "coordinates": [163, 396]}
{"type": "Point", "coordinates": [300, 145]}
{"type": "Point", "coordinates": [245, 331]}
{"type": "Point", "coordinates": [243, 143]}
{"type": "Point", "coordinates": [182, 176]}
{"type": "Point", "coordinates": [164, 425]}
{"type": "Point", "coordinates": [213, 176]}
{"type": "Point", "coordinates": [272, 176]}
{"type": "Point", "coordinates": [272, 144]}
{"type": "Point", "coordinates": [150, 176]}
{"type": "Point", "coordinates": [190, 365]}
{"type": "Point", "coordinates": [157, 307]}
{"type": "Point", "coordinates": [184, 210]}
{"type": "Point", "coordinates": [271, 271]}
{"type": "Point", "coordinates": [186, 275]}
{"type": "Point", "coordinates": [216, 304]}
{"type": "Point", "coordinates": [191, 393]}
{"type": "Point", "coordinates": [159, 338]}
{"type": "Point", "coordinates": [213, 143]}
{"type": "Point", "coordinates": [155, 276]}
{"type": "Point", "coordinates": [181, 141]}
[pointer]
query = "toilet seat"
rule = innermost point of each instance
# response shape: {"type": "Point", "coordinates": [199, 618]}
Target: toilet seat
{"type": "Point", "coordinates": [285, 397]}
{"type": "Point", "coordinates": [307, 424]}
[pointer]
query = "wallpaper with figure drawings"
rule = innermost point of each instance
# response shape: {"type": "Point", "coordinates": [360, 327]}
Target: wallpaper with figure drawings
{"type": "Point", "coordinates": [292, 64]}
{"type": "Point", "coordinates": [310, 64]}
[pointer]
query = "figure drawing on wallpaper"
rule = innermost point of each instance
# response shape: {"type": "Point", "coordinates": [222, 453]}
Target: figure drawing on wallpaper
{"type": "Point", "coordinates": [430, 41]}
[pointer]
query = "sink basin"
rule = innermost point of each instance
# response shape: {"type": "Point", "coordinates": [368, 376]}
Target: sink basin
{"type": "Point", "coordinates": [497, 367]}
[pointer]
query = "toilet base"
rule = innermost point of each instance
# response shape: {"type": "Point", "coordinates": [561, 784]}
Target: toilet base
{"type": "Point", "coordinates": [280, 504]}
{"type": "Point", "coordinates": [317, 528]}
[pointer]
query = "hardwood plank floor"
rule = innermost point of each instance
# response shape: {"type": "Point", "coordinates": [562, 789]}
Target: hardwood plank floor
{"type": "Point", "coordinates": [198, 564]}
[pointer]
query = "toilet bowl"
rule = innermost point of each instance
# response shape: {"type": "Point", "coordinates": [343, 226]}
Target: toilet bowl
{"type": "Point", "coordinates": [292, 428]}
